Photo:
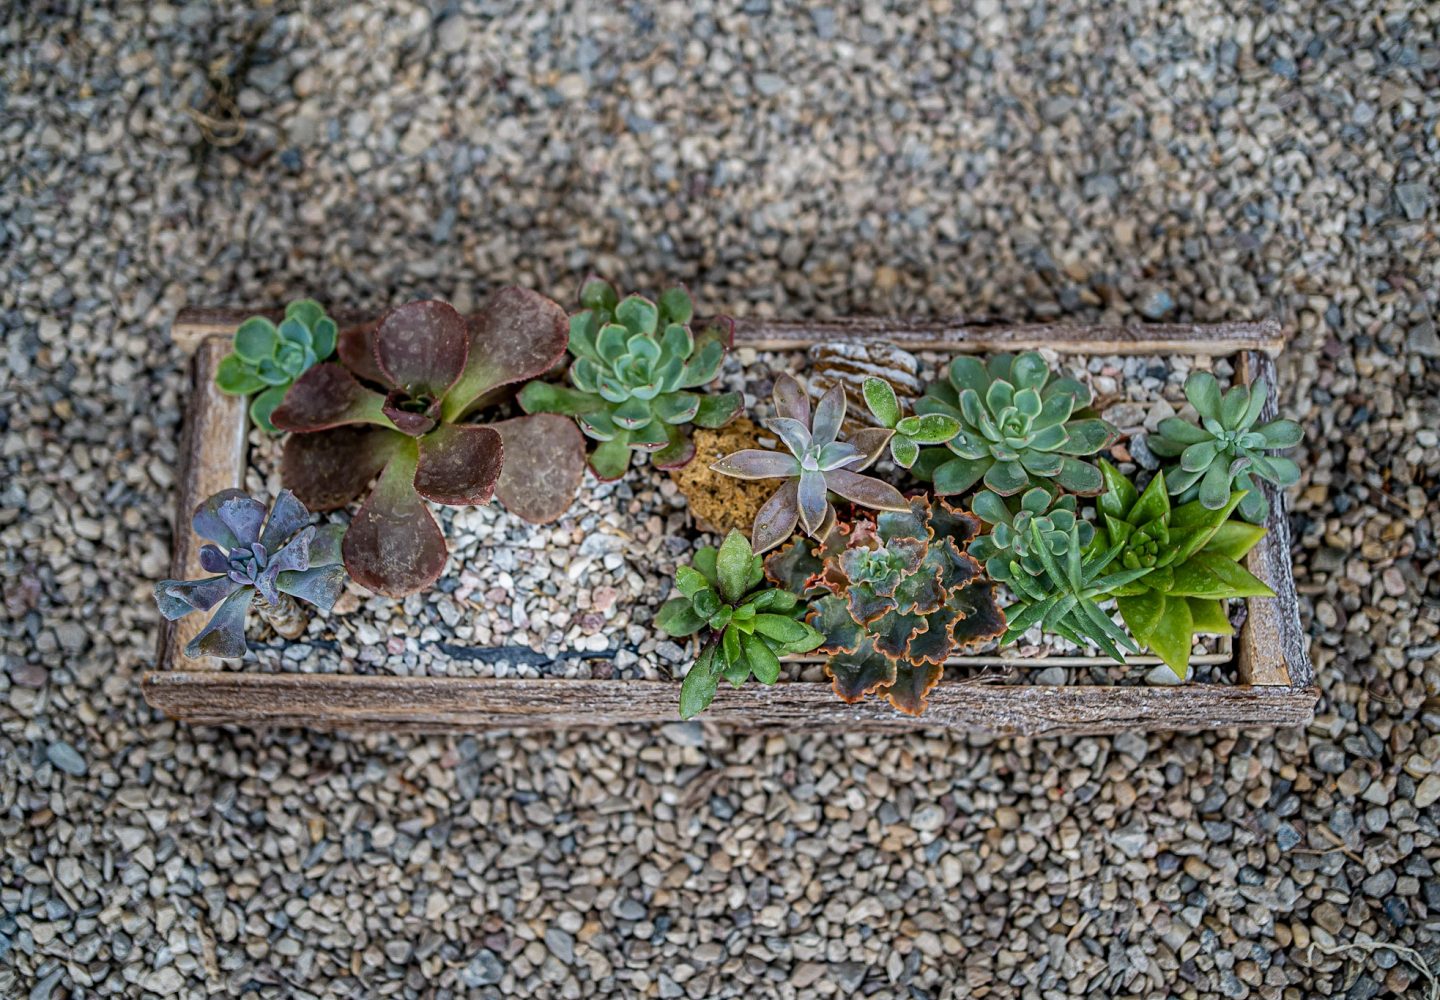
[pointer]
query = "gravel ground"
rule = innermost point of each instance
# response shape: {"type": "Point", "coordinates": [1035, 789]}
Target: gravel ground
{"type": "Point", "coordinates": [1140, 160]}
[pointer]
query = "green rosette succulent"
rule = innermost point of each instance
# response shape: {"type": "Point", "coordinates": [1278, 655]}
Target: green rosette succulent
{"type": "Point", "coordinates": [635, 362]}
{"type": "Point", "coordinates": [747, 625]}
{"type": "Point", "coordinates": [1010, 537]}
{"type": "Point", "coordinates": [1019, 428]}
{"type": "Point", "coordinates": [1226, 451]}
{"type": "Point", "coordinates": [894, 596]}
{"type": "Point", "coordinates": [267, 359]}
{"type": "Point", "coordinates": [1193, 557]}
{"type": "Point", "coordinates": [910, 431]}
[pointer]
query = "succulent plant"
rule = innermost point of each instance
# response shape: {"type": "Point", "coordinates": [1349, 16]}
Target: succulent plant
{"type": "Point", "coordinates": [1019, 428]}
{"type": "Point", "coordinates": [1064, 597]}
{"type": "Point", "coordinates": [747, 626]}
{"type": "Point", "coordinates": [635, 361]}
{"type": "Point", "coordinates": [1010, 537]}
{"type": "Point", "coordinates": [399, 403]}
{"type": "Point", "coordinates": [267, 359]}
{"type": "Point", "coordinates": [264, 559]}
{"type": "Point", "coordinates": [1226, 450]}
{"type": "Point", "coordinates": [1193, 555]}
{"type": "Point", "coordinates": [894, 596]}
{"type": "Point", "coordinates": [910, 432]}
{"type": "Point", "coordinates": [818, 464]}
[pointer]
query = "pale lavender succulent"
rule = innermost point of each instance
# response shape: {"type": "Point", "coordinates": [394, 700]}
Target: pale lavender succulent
{"type": "Point", "coordinates": [276, 557]}
{"type": "Point", "coordinates": [818, 463]}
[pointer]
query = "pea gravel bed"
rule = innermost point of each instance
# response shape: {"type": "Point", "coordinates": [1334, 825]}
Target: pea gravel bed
{"type": "Point", "coordinates": [575, 599]}
{"type": "Point", "coordinates": [1171, 160]}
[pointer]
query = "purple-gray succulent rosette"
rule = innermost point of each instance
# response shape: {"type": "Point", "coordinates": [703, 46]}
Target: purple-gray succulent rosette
{"type": "Point", "coordinates": [252, 553]}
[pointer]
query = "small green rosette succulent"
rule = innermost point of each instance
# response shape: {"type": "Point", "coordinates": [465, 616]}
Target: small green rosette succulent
{"type": "Point", "coordinates": [1228, 449]}
{"type": "Point", "coordinates": [1019, 428]}
{"type": "Point", "coordinates": [910, 431]}
{"type": "Point", "coordinates": [635, 364]}
{"type": "Point", "coordinates": [1192, 555]}
{"type": "Point", "coordinates": [746, 625]}
{"type": "Point", "coordinates": [267, 359]}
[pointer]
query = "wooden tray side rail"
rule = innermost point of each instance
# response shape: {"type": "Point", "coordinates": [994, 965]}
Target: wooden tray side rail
{"type": "Point", "coordinates": [1276, 683]}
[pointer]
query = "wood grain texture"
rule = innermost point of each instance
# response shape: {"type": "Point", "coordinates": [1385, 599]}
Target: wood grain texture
{"type": "Point", "coordinates": [1272, 648]}
{"type": "Point", "coordinates": [192, 326]}
{"type": "Point", "coordinates": [443, 704]}
{"type": "Point", "coordinates": [212, 457]}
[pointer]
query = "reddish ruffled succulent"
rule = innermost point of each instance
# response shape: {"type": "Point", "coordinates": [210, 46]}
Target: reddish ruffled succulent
{"type": "Point", "coordinates": [400, 402]}
{"type": "Point", "coordinates": [895, 596]}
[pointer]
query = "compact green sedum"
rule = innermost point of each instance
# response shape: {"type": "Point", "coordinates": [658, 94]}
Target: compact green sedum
{"type": "Point", "coordinates": [267, 359]}
{"type": "Point", "coordinates": [747, 627]}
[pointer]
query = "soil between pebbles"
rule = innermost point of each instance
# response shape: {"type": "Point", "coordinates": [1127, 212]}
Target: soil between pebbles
{"type": "Point", "coordinates": [575, 598]}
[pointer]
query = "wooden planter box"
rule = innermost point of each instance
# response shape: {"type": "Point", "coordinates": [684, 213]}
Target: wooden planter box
{"type": "Point", "coordinates": [1274, 682]}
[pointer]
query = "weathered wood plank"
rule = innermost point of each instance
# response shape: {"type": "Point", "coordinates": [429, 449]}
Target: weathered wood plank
{"type": "Point", "coordinates": [194, 325]}
{"type": "Point", "coordinates": [439, 704]}
{"type": "Point", "coordinates": [1272, 647]}
{"type": "Point", "coordinates": [212, 456]}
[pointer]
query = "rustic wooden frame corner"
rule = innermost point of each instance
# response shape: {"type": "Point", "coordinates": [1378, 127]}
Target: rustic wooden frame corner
{"type": "Point", "coordinates": [1276, 685]}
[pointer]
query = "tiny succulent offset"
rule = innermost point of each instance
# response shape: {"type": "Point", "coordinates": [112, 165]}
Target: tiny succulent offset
{"type": "Point", "coordinates": [747, 625]}
{"type": "Point", "coordinates": [1226, 450]}
{"type": "Point", "coordinates": [267, 359]}
{"type": "Point", "coordinates": [1019, 428]}
{"type": "Point", "coordinates": [894, 597]}
{"type": "Point", "coordinates": [1192, 554]}
{"type": "Point", "coordinates": [816, 463]}
{"type": "Point", "coordinates": [910, 432]}
{"type": "Point", "coordinates": [400, 403]}
{"type": "Point", "coordinates": [259, 558]}
{"type": "Point", "coordinates": [635, 364]}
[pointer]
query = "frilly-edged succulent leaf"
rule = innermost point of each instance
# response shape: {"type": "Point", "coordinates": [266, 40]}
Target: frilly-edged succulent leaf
{"type": "Point", "coordinates": [910, 691]}
{"type": "Point", "coordinates": [862, 672]}
{"type": "Point", "coordinates": [329, 396]}
{"type": "Point", "coordinates": [978, 617]}
{"type": "Point", "coordinates": [421, 348]}
{"type": "Point", "coordinates": [831, 617]}
{"type": "Point", "coordinates": [516, 335]}
{"type": "Point", "coordinates": [458, 464]}
{"type": "Point", "coordinates": [543, 468]}
{"type": "Point", "coordinates": [328, 469]}
{"type": "Point", "coordinates": [893, 631]}
{"type": "Point", "coordinates": [394, 547]}
{"type": "Point", "coordinates": [795, 566]}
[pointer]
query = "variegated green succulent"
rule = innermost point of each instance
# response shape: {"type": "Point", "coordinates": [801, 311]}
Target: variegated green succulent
{"type": "Point", "coordinates": [635, 361]}
{"type": "Point", "coordinates": [1019, 428]}
{"type": "Point", "coordinates": [1193, 556]}
{"type": "Point", "coordinates": [1226, 451]}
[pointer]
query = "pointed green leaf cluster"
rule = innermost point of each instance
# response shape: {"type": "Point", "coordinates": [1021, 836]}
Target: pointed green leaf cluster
{"type": "Point", "coordinates": [267, 359]}
{"type": "Point", "coordinates": [894, 597]}
{"type": "Point", "coordinates": [747, 626]}
{"type": "Point", "coordinates": [1226, 450]}
{"type": "Point", "coordinates": [910, 431]}
{"type": "Point", "coordinates": [1019, 428]}
{"type": "Point", "coordinates": [1010, 537]}
{"type": "Point", "coordinates": [635, 364]}
{"type": "Point", "coordinates": [1191, 558]}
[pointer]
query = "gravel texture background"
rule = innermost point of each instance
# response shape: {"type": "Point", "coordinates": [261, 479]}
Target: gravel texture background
{"type": "Point", "coordinates": [1033, 159]}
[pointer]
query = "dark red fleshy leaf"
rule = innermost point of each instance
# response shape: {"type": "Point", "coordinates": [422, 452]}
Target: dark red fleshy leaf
{"type": "Point", "coordinates": [421, 347]}
{"type": "Point", "coordinates": [330, 468]}
{"type": "Point", "coordinates": [912, 686]}
{"type": "Point", "coordinates": [356, 347]}
{"type": "Point", "coordinates": [328, 396]}
{"type": "Point", "coordinates": [393, 546]}
{"type": "Point", "coordinates": [544, 466]}
{"type": "Point", "coordinates": [410, 422]}
{"type": "Point", "coordinates": [459, 464]}
{"type": "Point", "coordinates": [518, 334]}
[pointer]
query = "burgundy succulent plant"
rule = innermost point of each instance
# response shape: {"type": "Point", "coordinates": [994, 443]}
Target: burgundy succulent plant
{"type": "Point", "coordinates": [400, 404]}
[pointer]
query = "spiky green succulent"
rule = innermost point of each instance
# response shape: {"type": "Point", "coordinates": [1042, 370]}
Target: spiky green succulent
{"type": "Point", "coordinates": [1193, 556]}
{"type": "Point", "coordinates": [267, 359]}
{"type": "Point", "coordinates": [1010, 537]}
{"type": "Point", "coordinates": [1226, 450]}
{"type": "Point", "coordinates": [1019, 428]}
{"type": "Point", "coordinates": [635, 361]}
{"type": "Point", "coordinates": [894, 596]}
{"type": "Point", "coordinates": [1064, 598]}
{"type": "Point", "coordinates": [910, 431]}
{"type": "Point", "coordinates": [748, 626]}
